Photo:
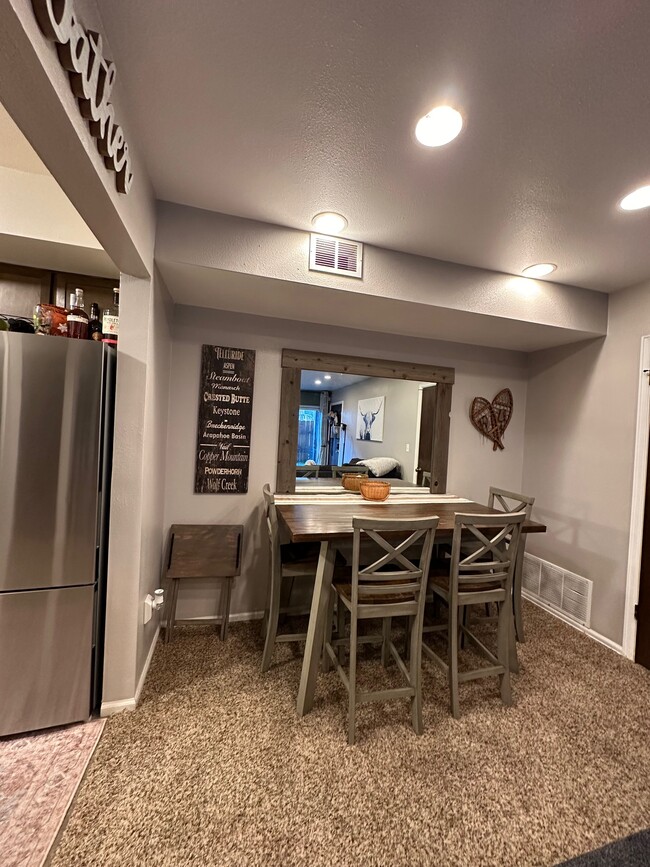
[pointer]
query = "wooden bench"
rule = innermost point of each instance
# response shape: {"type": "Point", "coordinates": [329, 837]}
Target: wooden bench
{"type": "Point", "coordinates": [202, 551]}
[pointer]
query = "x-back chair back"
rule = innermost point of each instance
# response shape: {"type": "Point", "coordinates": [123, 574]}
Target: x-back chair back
{"type": "Point", "coordinates": [392, 571]}
{"type": "Point", "coordinates": [492, 560]}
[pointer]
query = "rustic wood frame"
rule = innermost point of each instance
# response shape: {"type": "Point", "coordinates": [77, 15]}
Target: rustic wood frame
{"type": "Point", "coordinates": [294, 361]}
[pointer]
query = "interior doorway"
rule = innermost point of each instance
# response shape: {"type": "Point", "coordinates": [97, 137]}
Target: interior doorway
{"type": "Point", "coordinates": [424, 433]}
{"type": "Point", "coordinates": [636, 628]}
{"type": "Point", "coordinates": [642, 607]}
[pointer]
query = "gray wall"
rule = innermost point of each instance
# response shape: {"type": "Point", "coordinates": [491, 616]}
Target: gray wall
{"type": "Point", "coordinates": [139, 467]}
{"type": "Point", "coordinates": [400, 420]}
{"type": "Point", "coordinates": [204, 255]}
{"type": "Point", "coordinates": [473, 466]}
{"type": "Point", "coordinates": [580, 430]}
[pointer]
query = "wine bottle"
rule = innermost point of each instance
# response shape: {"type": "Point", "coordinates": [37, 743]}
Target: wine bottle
{"type": "Point", "coordinates": [77, 318]}
{"type": "Point", "coordinates": [94, 326]}
{"type": "Point", "coordinates": [111, 320]}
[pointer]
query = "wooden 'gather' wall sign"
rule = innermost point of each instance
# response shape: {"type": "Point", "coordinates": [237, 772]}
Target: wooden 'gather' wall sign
{"type": "Point", "coordinates": [91, 78]}
{"type": "Point", "coordinates": [492, 419]}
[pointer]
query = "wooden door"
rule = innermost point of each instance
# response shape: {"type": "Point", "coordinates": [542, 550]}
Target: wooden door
{"type": "Point", "coordinates": [642, 651]}
{"type": "Point", "coordinates": [427, 423]}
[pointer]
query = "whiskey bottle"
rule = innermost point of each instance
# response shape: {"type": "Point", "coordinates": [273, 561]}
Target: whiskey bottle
{"type": "Point", "coordinates": [111, 320]}
{"type": "Point", "coordinates": [77, 318]}
{"type": "Point", "coordinates": [94, 326]}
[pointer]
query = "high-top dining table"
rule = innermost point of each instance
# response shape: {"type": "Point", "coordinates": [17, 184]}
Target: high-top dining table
{"type": "Point", "coordinates": [323, 513]}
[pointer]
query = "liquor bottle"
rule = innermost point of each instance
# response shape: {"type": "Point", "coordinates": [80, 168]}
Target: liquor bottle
{"type": "Point", "coordinates": [111, 320]}
{"type": "Point", "coordinates": [94, 326]}
{"type": "Point", "coordinates": [77, 317]}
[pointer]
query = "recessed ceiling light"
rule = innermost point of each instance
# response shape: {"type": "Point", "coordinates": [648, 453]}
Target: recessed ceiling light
{"type": "Point", "coordinates": [440, 126]}
{"type": "Point", "coordinates": [540, 270]}
{"type": "Point", "coordinates": [317, 382]}
{"type": "Point", "coordinates": [329, 223]}
{"type": "Point", "coordinates": [635, 201]}
{"type": "Point", "coordinates": [327, 376]}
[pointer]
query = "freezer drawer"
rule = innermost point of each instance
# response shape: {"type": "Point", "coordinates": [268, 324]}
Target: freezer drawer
{"type": "Point", "coordinates": [45, 658]}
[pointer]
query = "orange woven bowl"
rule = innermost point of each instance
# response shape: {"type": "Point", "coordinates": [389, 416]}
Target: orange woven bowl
{"type": "Point", "coordinates": [374, 490]}
{"type": "Point", "coordinates": [351, 481]}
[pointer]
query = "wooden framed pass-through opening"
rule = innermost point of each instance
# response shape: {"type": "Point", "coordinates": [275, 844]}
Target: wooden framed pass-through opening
{"type": "Point", "coordinates": [295, 361]}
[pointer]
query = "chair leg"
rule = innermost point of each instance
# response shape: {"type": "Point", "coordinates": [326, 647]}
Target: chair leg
{"type": "Point", "coordinates": [385, 632]}
{"type": "Point", "coordinates": [265, 619]}
{"type": "Point", "coordinates": [407, 640]}
{"type": "Point", "coordinates": [327, 638]}
{"type": "Point", "coordinates": [416, 674]}
{"type": "Point", "coordinates": [503, 649]}
{"type": "Point", "coordinates": [340, 630]}
{"type": "Point", "coordinates": [225, 607]}
{"type": "Point", "coordinates": [170, 618]}
{"type": "Point", "coordinates": [465, 621]}
{"type": "Point", "coordinates": [453, 660]}
{"type": "Point", "coordinates": [272, 629]}
{"type": "Point", "coordinates": [512, 646]}
{"type": "Point", "coordinates": [516, 595]}
{"type": "Point", "coordinates": [352, 679]}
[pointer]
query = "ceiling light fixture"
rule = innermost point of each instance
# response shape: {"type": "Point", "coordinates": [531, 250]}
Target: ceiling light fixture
{"type": "Point", "coordinates": [327, 376]}
{"type": "Point", "coordinates": [329, 223]}
{"type": "Point", "coordinates": [317, 382]}
{"type": "Point", "coordinates": [636, 200]}
{"type": "Point", "coordinates": [541, 270]}
{"type": "Point", "coordinates": [440, 126]}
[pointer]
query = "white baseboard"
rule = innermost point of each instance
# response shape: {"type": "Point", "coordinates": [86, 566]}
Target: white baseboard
{"type": "Point", "coordinates": [591, 633]}
{"type": "Point", "coordinates": [234, 618]}
{"type": "Point", "coordinates": [145, 667]}
{"type": "Point", "coordinates": [109, 708]}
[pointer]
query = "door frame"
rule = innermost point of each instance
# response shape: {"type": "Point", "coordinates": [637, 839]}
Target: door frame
{"type": "Point", "coordinates": [416, 440]}
{"type": "Point", "coordinates": [294, 361]}
{"type": "Point", "coordinates": [637, 513]}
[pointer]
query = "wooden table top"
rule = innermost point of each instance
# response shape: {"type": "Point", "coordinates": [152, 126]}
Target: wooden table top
{"type": "Point", "coordinates": [315, 522]}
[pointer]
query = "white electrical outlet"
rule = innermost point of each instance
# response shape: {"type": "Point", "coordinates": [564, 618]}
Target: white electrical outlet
{"type": "Point", "coordinates": [408, 447]}
{"type": "Point", "coordinates": [153, 603]}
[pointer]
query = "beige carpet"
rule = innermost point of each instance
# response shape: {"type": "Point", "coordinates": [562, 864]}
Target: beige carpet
{"type": "Point", "coordinates": [214, 768]}
{"type": "Point", "coordinates": [39, 775]}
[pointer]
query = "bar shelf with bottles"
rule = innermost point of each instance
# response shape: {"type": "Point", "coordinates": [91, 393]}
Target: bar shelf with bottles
{"type": "Point", "coordinates": [72, 321]}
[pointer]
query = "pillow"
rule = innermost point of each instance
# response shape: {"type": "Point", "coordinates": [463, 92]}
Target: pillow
{"type": "Point", "coordinates": [380, 466]}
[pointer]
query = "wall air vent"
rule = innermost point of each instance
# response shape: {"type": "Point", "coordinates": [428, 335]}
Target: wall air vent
{"type": "Point", "coordinates": [557, 590]}
{"type": "Point", "coordinates": [335, 255]}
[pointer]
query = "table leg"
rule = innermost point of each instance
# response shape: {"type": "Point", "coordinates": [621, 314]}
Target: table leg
{"type": "Point", "coordinates": [316, 628]}
{"type": "Point", "coordinates": [225, 607]}
{"type": "Point", "coordinates": [516, 593]}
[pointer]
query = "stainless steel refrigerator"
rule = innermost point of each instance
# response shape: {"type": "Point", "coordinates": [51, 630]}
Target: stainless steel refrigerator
{"type": "Point", "coordinates": [56, 420]}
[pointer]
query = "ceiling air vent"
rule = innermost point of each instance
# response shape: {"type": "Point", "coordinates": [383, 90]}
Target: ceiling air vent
{"type": "Point", "coordinates": [335, 255]}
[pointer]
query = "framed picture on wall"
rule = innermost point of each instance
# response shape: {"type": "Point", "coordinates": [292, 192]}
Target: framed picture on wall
{"type": "Point", "coordinates": [370, 419]}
